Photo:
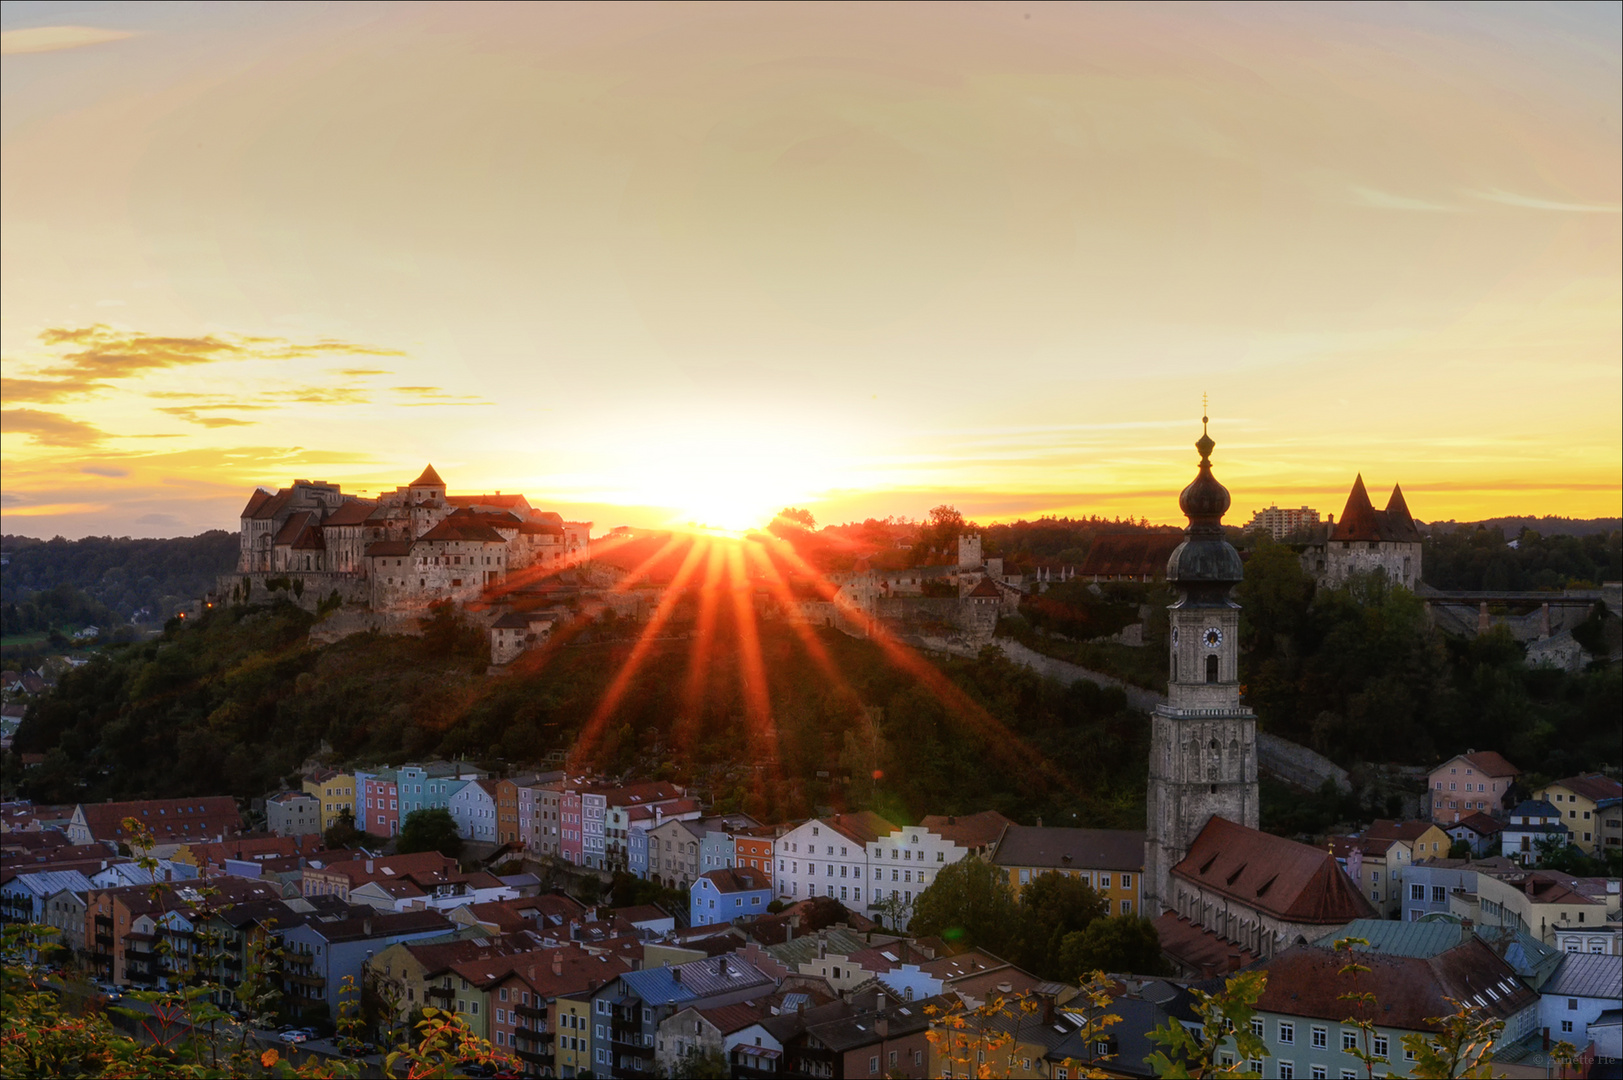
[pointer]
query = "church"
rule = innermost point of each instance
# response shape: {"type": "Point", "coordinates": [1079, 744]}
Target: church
{"type": "Point", "coordinates": [1222, 892]}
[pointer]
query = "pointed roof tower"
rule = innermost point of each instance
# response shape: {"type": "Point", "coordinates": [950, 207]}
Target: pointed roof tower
{"type": "Point", "coordinates": [430, 478]}
{"type": "Point", "coordinates": [1400, 523]}
{"type": "Point", "coordinates": [1358, 519]}
{"type": "Point", "coordinates": [1205, 564]}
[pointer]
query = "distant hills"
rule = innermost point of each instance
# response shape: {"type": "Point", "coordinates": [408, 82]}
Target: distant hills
{"type": "Point", "coordinates": [1549, 525]}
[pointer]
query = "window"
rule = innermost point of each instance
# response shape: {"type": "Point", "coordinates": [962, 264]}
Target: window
{"type": "Point", "coordinates": [1321, 1038]}
{"type": "Point", "coordinates": [1572, 1003]}
{"type": "Point", "coordinates": [873, 1064]}
{"type": "Point", "coordinates": [1566, 1026]}
{"type": "Point", "coordinates": [1287, 1070]}
{"type": "Point", "coordinates": [1349, 1040]}
{"type": "Point", "coordinates": [1319, 1073]}
{"type": "Point", "coordinates": [1287, 1033]}
{"type": "Point", "coordinates": [1381, 1047]}
{"type": "Point", "coordinates": [1438, 894]}
{"type": "Point", "coordinates": [1417, 892]}
{"type": "Point", "coordinates": [1256, 1028]}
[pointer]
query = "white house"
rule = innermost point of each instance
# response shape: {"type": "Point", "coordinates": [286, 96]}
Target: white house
{"type": "Point", "coordinates": [1532, 823]}
{"type": "Point", "coordinates": [829, 857]}
{"type": "Point", "coordinates": [473, 808]}
{"type": "Point", "coordinates": [902, 863]}
{"type": "Point", "coordinates": [1583, 987]}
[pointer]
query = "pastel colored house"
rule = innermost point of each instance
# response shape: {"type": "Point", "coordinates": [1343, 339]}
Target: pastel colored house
{"type": "Point", "coordinates": [379, 810]}
{"type": "Point", "coordinates": [1584, 802]}
{"type": "Point", "coordinates": [1110, 861]}
{"type": "Point", "coordinates": [1475, 781]}
{"type": "Point", "coordinates": [336, 792]}
{"type": "Point", "coordinates": [1533, 824]}
{"type": "Point", "coordinates": [729, 894]}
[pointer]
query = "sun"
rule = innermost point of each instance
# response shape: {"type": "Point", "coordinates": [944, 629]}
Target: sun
{"type": "Point", "coordinates": [733, 500]}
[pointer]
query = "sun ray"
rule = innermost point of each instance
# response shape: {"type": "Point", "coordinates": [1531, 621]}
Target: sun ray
{"type": "Point", "coordinates": [701, 654]}
{"type": "Point", "coordinates": [763, 730]}
{"type": "Point", "coordinates": [586, 741]}
{"type": "Point", "coordinates": [779, 587]}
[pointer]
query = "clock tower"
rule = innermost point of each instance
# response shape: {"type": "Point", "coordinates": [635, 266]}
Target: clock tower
{"type": "Point", "coordinates": [1203, 744]}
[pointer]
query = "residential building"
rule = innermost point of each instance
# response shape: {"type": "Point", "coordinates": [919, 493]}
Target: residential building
{"type": "Point", "coordinates": [626, 1013]}
{"type": "Point", "coordinates": [1468, 783]}
{"type": "Point", "coordinates": [515, 809]}
{"type": "Point", "coordinates": [878, 1037]}
{"type": "Point", "coordinates": [526, 1021]}
{"type": "Point", "coordinates": [336, 792]}
{"type": "Point", "coordinates": [171, 821]}
{"type": "Point", "coordinates": [473, 808]}
{"type": "Point", "coordinates": [753, 849]}
{"type": "Point", "coordinates": [619, 804]}
{"type": "Point", "coordinates": [318, 955]}
{"type": "Point", "coordinates": [725, 896]}
{"type": "Point", "coordinates": [1415, 975]}
{"type": "Point", "coordinates": [340, 877]}
{"type": "Point", "coordinates": [1580, 800]}
{"type": "Point", "coordinates": [1480, 832]}
{"type": "Point", "coordinates": [293, 813]}
{"type": "Point", "coordinates": [673, 852]}
{"type": "Point", "coordinates": [718, 847]}
{"type": "Point", "coordinates": [1374, 864]}
{"type": "Point", "coordinates": [380, 802]}
{"type": "Point", "coordinates": [1542, 902]}
{"type": "Point", "coordinates": [1110, 861]}
{"type": "Point", "coordinates": [1241, 894]}
{"type": "Point", "coordinates": [1429, 884]}
{"type": "Point", "coordinates": [1280, 522]}
{"type": "Point", "coordinates": [830, 857]}
{"type": "Point", "coordinates": [717, 1030]}
{"type": "Point", "coordinates": [25, 897]}
{"type": "Point", "coordinates": [430, 787]}
{"type": "Point", "coordinates": [1534, 826]}
{"type": "Point", "coordinates": [1582, 988]}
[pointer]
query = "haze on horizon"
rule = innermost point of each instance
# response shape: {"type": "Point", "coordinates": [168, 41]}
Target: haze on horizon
{"type": "Point", "coordinates": [662, 264]}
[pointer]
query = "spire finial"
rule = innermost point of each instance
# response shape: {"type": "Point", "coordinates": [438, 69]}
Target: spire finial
{"type": "Point", "coordinates": [1204, 409]}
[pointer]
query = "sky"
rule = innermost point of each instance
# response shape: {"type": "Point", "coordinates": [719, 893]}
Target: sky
{"type": "Point", "coordinates": [661, 264]}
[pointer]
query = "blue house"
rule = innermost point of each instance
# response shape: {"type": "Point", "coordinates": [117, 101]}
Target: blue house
{"type": "Point", "coordinates": [721, 896]}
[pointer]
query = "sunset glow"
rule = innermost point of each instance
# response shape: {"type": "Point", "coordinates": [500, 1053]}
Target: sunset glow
{"type": "Point", "coordinates": [685, 265]}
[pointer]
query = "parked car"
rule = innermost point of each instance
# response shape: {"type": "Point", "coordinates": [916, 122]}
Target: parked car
{"type": "Point", "coordinates": [297, 1035]}
{"type": "Point", "coordinates": [113, 991]}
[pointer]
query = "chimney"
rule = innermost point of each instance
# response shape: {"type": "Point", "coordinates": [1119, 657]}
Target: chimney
{"type": "Point", "coordinates": [557, 964]}
{"type": "Point", "coordinates": [366, 926]}
{"type": "Point", "coordinates": [881, 1027]}
{"type": "Point", "coordinates": [721, 966]}
{"type": "Point", "coordinates": [879, 1001]}
{"type": "Point", "coordinates": [822, 948]}
{"type": "Point", "coordinates": [794, 924]}
{"type": "Point", "coordinates": [676, 975]}
{"type": "Point", "coordinates": [369, 865]}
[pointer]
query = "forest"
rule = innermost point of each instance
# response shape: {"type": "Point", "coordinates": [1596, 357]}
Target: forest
{"type": "Point", "coordinates": [119, 574]}
{"type": "Point", "coordinates": [237, 701]}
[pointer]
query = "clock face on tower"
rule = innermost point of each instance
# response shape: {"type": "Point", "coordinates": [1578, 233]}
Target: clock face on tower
{"type": "Point", "coordinates": [1214, 637]}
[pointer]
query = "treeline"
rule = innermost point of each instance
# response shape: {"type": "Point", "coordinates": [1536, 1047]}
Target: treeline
{"type": "Point", "coordinates": [122, 574]}
{"type": "Point", "coordinates": [1478, 558]}
{"type": "Point", "coordinates": [1359, 675]}
{"type": "Point", "coordinates": [237, 701]}
{"type": "Point", "coordinates": [43, 612]}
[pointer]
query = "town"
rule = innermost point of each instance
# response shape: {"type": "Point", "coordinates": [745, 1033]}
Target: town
{"type": "Point", "coordinates": [586, 924]}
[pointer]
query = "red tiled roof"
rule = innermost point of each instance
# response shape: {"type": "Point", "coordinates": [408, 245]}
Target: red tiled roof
{"type": "Point", "coordinates": [291, 528]}
{"type": "Point", "coordinates": [201, 818]}
{"type": "Point", "coordinates": [864, 827]}
{"type": "Point", "coordinates": [430, 478]}
{"type": "Point", "coordinates": [737, 879]}
{"type": "Point", "coordinates": [452, 529]}
{"type": "Point", "coordinates": [1412, 991]}
{"type": "Point", "coordinates": [310, 539]}
{"type": "Point", "coordinates": [1399, 522]}
{"type": "Point", "coordinates": [353, 512]}
{"type": "Point", "coordinates": [984, 587]}
{"type": "Point", "coordinates": [269, 508]}
{"type": "Point", "coordinates": [255, 501]}
{"type": "Point", "coordinates": [1483, 824]}
{"type": "Point", "coordinates": [1135, 555]}
{"type": "Point", "coordinates": [485, 500]}
{"type": "Point", "coordinates": [1358, 521]}
{"type": "Point", "coordinates": [1592, 786]}
{"type": "Point", "coordinates": [388, 548]}
{"type": "Point", "coordinates": [1490, 763]}
{"type": "Point", "coordinates": [1387, 829]}
{"type": "Point", "coordinates": [968, 830]}
{"type": "Point", "coordinates": [1291, 881]}
{"type": "Point", "coordinates": [1197, 948]}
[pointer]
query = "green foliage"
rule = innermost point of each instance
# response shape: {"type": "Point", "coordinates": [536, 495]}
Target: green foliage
{"type": "Point", "coordinates": [1052, 908]}
{"type": "Point", "coordinates": [1358, 674]}
{"type": "Point", "coordinates": [429, 830]}
{"type": "Point", "coordinates": [343, 832]}
{"type": "Point", "coordinates": [969, 903]}
{"type": "Point", "coordinates": [119, 573]}
{"type": "Point", "coordinates": [708, 1065]}
{"type": "Point", "coordinates": [1475, 558]}
{"type": "Point", "coordinates": [1224, 1016]}
{"type": "Point", "coordinates": [1122, 944]}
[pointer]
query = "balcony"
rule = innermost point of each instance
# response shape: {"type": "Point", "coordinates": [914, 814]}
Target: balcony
{"type": "Point", "coordinates": [305, 978]}
{"type": "Point", "coordinates": [443, 992]}
{"type": "Point", "coordinates": [533, 1058]}
{"type": "Point", "coordinates": [535, 1012]}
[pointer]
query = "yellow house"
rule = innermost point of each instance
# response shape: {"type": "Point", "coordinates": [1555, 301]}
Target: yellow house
{"type": "Point", "coordinates": [573, 1043]}
{"type": "Point", "coordinates": [1541, 902]}
{"type": "Point", "coordinates": [336, 790]}
{"type": "Point", "coordinates": [1110, 861]}
{"type": "Point", "coordinates": [1590, 808]}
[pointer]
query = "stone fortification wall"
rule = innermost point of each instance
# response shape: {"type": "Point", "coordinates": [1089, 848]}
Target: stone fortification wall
{"type": "Point", "coordinates": [1065, 672]}
{"type": "Point", "coordinates": [308, 589]}
{"type": "Point", "coordinates": [935, 614]}
{"type": "Point", "coordinates": [1298, 765]}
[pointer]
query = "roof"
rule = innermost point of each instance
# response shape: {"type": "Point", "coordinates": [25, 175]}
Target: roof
{"type": "Point", "coordinates": [470, 531]}
{"type": "Point", "coordinates": [735, 879]}
{"type": "Point", "coordinates": [695, 979]}
{"type": "Point", "coordinates": [485, 500]}
{"type": "Point", "coordinates": [1407, 831]}
{"type": "Point", "coordinates": [730, 1018]}
{"type": "Point", "coordinates": [1593, 975]}
{"type": "Point", "coordinates": [255, 501]}
{"type": "Point", "coordinates": [429, 478]}
{"type": "Point", "coordinates": [968, 830]}
{"type": "Point", "coordinates": [1480, 823]}
{"type": "Point", "coordinates": [1592, 786]}
{"type": "Point", "coordinates": [845, 1033]}
{"type": "Point", "coordinates": [634, 794]}
{"type": "Point", "coordinates": [1361, 521]}
{"type": "Point", "coordinates": [1289, 880]}
{"type": "Point", "coordinates": [1197, 948]}
{"type": "Point", "coordinates": [985, 588]}
{"type": "Point", "coordinates": [169, 819]}
{"type": "Point", "coordinates": [1486, 762]}
{"type": "Point", "coordinates": [864, 826]}
{"type": "Point", "coordinates": [1135, 554]}
{"type": "Point", "coordinates": [269, 507]}
{"type": "Point", "coordinates": [1413, 991]}
{"type": "Point", "coordinates": [800, 950]}
{"type": "Point", "coordinates": [50, 882]}
{"type": "Point", "coordinates": [388, 547]}
{"type": "Point", "coordinates": [352, 512]}
{"type": "Point", "coordinates": [1058, 848]}
{"type": "Point", "coordinates": [642, 913]}
{"type": "Point", "coordinates": [1417, 939]}
{"type": "Point", "coordinates": [292, 527]}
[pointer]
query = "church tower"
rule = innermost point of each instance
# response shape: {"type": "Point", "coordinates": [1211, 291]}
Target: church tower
{"type": "Point", "coordinates": [1203, 745]}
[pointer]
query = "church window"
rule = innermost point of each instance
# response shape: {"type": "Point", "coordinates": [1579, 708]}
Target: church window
{"type": "Point", "coordinates": [1211, 669]}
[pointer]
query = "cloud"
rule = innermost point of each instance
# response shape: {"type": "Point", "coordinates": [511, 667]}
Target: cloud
{"type": "Point", "coordinates": [1382, 200]}
{"type": "Point", "coordinates": [196, 414]}
{"type": "Point", "coordinates": [38, 39]}
{"type": "Point", "coordinates": [1527, 202]}
{"type": "Point", "coordinates": [166, 520]}
{"type": "Point", "coordinates": [362, 372]}
{"type": "Point", "coordinates": [90, 356]}
{"type": "Point", "coordinates": [434, 395]}
{"type": "Point", "coordinates": [49, 429]}
{"type": "Point", "coordinates": [104, 470]}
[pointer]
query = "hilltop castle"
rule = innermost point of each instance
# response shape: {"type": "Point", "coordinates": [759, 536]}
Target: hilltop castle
{"type": "Point", "coordinates": [411, 547]}
{"type": "Point", "coordinates": [1367, 539]}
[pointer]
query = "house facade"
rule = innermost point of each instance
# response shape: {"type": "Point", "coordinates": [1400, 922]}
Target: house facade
{"type": "Point", "coordinates": [1583, 801]}
{"type": "Point", "coordinates": [728, 895]}
{"type": "Point", "coordinates": [1477, 781]}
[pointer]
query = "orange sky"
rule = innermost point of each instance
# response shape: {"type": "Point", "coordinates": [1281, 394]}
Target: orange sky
{"type": "Point", "coordinates": [660, 264]}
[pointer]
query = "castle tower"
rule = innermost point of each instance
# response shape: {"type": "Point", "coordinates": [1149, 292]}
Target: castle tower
{"type": "Point", "coordinates": [1203, 745]}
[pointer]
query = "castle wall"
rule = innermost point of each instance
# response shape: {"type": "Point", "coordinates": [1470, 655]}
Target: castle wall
{"type": "Point", "coordinates": [1332, 562]}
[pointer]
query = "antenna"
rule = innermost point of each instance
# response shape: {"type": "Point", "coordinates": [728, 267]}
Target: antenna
{"type": "Point", "coordinates": [1204, 402]}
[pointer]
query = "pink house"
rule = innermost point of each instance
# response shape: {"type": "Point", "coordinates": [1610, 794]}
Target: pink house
{"type": "Point", "coordinates": [1475, 782]}
{"type": "Point", "coordinates": [569, 825]}
{"type": "Point", "coordinates": [380, 804]}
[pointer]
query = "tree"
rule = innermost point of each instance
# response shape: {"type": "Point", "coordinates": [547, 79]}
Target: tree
{"type": "Point", "coordinates": [1120, 943]}
{"type": "Point", "coordinates": [1053, 907]}
{"type": "Point", "coordinates": [1223, 1015]}
{"type": "Point", "coordinates": [702, 1065]}
{"type": "Point", "coordinates": [342, 833]}
{"type": "Point", "coordinates": [969, 903]}
{"type": "Point", "coordinates": [430, 830]}
{"type": "Point", "coordinates": [795, 516]}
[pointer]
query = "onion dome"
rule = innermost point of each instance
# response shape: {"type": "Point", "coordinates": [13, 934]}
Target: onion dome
{"type": "Point", "coordinates": [1205, 556]}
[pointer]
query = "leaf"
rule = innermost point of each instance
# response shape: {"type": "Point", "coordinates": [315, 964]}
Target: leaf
{"type": "Point", "coordinates": [269, 1058]}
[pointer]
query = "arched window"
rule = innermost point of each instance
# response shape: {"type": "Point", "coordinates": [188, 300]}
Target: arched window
{"type": "Point", "coordinates": [1211, 668]}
